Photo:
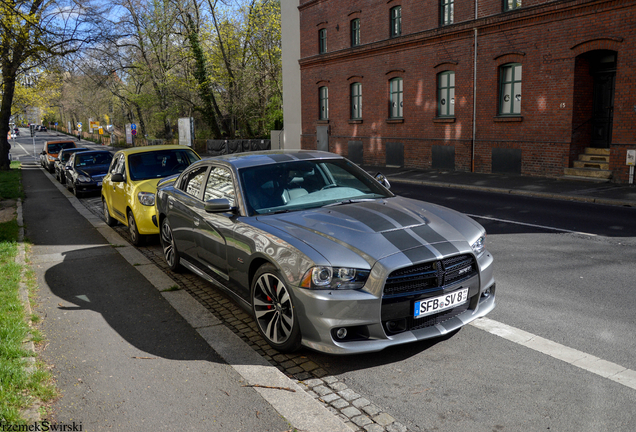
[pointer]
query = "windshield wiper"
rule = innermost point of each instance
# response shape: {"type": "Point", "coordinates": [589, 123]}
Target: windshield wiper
{"type": "Point", "coordinates": [350, 201]}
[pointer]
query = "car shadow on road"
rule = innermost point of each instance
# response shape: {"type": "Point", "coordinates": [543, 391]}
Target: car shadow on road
{"type": "Point", "coordinates": [98, 279]}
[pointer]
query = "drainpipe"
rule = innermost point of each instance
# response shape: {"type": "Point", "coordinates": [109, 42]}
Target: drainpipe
{"type": "Point", "coordinates": [472, 156]}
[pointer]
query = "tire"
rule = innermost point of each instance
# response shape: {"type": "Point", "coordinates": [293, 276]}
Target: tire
{"type": "Point", "coordinates": [170, 252]}
{"type": "Point", "coordinates": [135, 238]}
{"type": "Point", "coordinates": [110, 221]}
{"type": "Point", "coordinates": [274, 310]}
{"type": "Point", "coordinates": [77, 193]}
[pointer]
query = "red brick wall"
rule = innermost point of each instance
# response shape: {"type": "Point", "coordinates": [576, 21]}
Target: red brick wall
{"type": "Point", "coordinates": [545, 39]}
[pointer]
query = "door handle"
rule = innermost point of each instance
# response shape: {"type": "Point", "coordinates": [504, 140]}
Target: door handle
{"type": "Point", "coordinates": [196, 221]}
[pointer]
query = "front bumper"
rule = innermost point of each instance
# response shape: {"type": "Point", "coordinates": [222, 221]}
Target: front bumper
{"type": "Point", "coordinates": [366, 315]}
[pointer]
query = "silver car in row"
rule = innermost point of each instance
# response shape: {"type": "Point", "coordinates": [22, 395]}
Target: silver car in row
{"type": "Point", "coordinates": [322, 254]}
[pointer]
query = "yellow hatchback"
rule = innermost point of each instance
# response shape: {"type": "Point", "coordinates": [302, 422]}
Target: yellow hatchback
{"type": "Point", "coordinates": [128, 190]}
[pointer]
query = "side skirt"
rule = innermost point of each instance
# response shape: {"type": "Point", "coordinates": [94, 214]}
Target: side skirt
{"type": "Point", "coordinates": [194, 269]}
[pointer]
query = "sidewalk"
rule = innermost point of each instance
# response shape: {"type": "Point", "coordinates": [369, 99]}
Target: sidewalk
{"type": "Point", "coordinates": [541, 187]}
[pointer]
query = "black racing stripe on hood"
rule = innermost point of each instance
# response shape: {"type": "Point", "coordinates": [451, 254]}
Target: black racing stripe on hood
{"type": "Point", "coordinates": [427, 233]}
{"type": "Point", "coordinates": [402, 239]}
{"type": "Point", "coordinates": [420, 254]}
{"type": "Point", "coordinates": [402, 218]}
{"type": "Point", "coordinates": [281, 157]}
{"type": "Point", "coordinates": [372, 220]}
{"type": "Point", "coordinates": [446, 248]}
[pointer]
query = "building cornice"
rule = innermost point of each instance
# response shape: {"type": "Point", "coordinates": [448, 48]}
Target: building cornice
{"type": "Point", "coordinates": [533, 15]}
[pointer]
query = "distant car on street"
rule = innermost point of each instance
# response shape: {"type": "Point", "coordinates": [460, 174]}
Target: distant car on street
{"type": "Point", "coordinates": [43, 129]}
{"type": "Point", "coordinates": [16, 131]}
{"type": "Point", "coordinates": [62, 159]}
{"type": "Point", "coordinates": [85, 171]}
{"type": "Point", "coordinates": [51, 150]}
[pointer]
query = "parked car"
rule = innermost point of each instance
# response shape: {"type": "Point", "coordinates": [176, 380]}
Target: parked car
{"type": "Point", "coordinates": [62, 159]}
{"type": "Point", "coordinates": [86, 170]}
{"type": "Point", "coordinates": [324, 255]}
{"type": "Point", "coordinates": [51, 150]}
{"type": "Point", "coordinates": [16, 131]}
{"type": "Point", "coordinates": [43, 129]}
{"type": "Point", "coordinates": [128, 191]}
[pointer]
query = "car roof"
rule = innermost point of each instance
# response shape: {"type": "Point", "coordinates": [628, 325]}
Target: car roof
{"type": "Point", "coordinates": [60, 141]}
{"type": "Point", "coordinates": [269, 157]}
{"type": "Point", "coordinates": [90, 152]}
{"type": "Point", "coordinates": [146, 149]}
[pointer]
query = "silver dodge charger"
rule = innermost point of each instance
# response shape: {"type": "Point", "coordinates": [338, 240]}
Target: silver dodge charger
{"type": "Point", "coordinates": [323, 254]}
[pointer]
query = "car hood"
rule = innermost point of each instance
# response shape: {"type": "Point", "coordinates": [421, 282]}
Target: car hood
{"type": "Point", "coordinates": [149, 185]}
{"type": "Point", "coordinates": [375, 230]}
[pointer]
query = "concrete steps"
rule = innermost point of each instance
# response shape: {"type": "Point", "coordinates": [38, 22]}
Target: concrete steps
{"type": "Point", "coordinates": [592, 165]}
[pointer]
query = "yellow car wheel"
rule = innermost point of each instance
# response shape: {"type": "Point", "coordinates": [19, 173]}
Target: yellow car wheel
{"type": "Point", "coordinates": [135, 238]}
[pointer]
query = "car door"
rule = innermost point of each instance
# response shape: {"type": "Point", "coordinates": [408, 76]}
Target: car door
{"type": "Point", "coordinates": [211, 230]}
{"type": "Point", "coordinates": [184, 208]}
{"type": "Point", "coordinates": [115, 192]}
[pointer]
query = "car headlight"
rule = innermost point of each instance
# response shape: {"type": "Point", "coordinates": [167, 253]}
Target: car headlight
{"type": "Point", "coordinates": [51, 158]}
{"type": "Point", "coordinates": [84, 179]}
{"type": "Point", "coordinates": [325, 277]}
{"type": "Point", "coordinates": [480, 245]}
{"type": "Point", "coordinates": [146, 198]}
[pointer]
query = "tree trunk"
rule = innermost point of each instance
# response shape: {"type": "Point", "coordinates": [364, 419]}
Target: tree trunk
{"type": "Point", "coordinates": [8, 88]}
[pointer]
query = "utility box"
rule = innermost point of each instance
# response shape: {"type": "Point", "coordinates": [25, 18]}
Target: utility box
{"type": "Point", "coordinates": [186, 131]}
{"type": "Point", "coordinates": [631, 157]}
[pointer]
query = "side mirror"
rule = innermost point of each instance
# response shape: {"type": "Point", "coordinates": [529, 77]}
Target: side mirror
{"type": "Point", "coordinates": [43, 152]}
{"type": "Point", "coordinates": [218, 205]}
{"type": "Point", "coordinates": [68, 167]}
{"type": "Point", "coordinates": [117, 178]}
{"type": "Point", "coordinates": [381, 178]}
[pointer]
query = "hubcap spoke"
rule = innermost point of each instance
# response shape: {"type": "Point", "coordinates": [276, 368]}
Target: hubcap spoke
{"type": "Point", "coordinates": [272, 307]}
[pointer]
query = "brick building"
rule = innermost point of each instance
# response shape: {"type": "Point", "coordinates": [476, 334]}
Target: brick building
{"type": "Point", "coordinates": [534, 87]}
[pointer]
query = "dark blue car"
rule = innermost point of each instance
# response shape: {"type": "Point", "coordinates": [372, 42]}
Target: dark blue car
{"type": "Point", "coordinates": [85, 171]}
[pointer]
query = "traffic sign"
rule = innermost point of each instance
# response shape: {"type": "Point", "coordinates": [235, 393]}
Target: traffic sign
{"type": "Point", "coordinates": [133, 126]}
{"type": "Point", "coordinates": [133, 132]}
{"type": "Point", "coordinates": [79, 124]}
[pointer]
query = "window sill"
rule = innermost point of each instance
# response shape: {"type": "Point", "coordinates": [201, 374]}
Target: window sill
{"type": "Point", "coordinates": [323, 121]}
{"type": "Point", "coordinates": [508, 119]}
{"type": "Point", "coordinates": [394, 120]}
{"type": "Point", "coordinates": [444, 120]}
{"type": "Point", "coordinates": [355, 121]}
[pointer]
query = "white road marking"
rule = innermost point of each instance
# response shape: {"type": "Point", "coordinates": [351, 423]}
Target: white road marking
{"type": "Point", "coordinates": [531, 225]}
{"type": "Point", "coordinates": [590, 363]}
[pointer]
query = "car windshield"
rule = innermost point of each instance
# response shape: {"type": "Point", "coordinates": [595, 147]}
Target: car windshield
{"type": "Point", "coordinates": [56, 147]}
{"type": "Point", "coordinates": [299, 185]}
{"type": "Point", "coordinates": [92, 159]}
{"type": "Point", "coordinates": [160, 163]}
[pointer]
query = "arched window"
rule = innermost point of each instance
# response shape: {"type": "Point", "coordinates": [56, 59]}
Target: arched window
{"type": "Point", "coordinates": [510, 89]}
{"type": "Point", "coordinates": [396, 98]}
{"type": "Point", "coordinates": [446, 94]}
{"type": "Point", "coordinates": [356, 101]}
{"type": "Point", "coordinates": [324, 103]}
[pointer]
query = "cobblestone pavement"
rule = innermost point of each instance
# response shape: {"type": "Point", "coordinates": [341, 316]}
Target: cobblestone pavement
{"type": "Point", "coordinates": [358, 412]}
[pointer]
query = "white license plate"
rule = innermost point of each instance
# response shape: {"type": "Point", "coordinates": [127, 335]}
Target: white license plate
{"type": "Point", "coordinates": [437, 304]}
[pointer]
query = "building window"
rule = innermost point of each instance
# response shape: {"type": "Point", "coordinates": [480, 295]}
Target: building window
{"type": "Point", "coordinates": [356, 101]}
{"type": "Point", "coordinates": [324, 103]}
{"type": "Point", "coordinates": [322, 41]}
{"type": "Point", "coordinates": [355, 32]}
{"type": "Point", "coordinates": [510, 89]}
{"type": "Point", "coordinates": [511, 4]}
{"type": "Point", "coordinates": [396, 21]}
{"type": "Point", "coordinates": [396, 98]}
{"type": "Point", "coordinates": [447, 11]}
{"type": "Point", "coordinates": [446, 94]}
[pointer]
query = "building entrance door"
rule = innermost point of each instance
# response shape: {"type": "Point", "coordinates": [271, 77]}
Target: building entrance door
{"type": "Point", "coordinates": [322, 136]}
{"type": "Point", "coordinates": [603, 71]}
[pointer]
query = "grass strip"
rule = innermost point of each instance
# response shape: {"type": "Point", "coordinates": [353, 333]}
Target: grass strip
{"type": "Point", "coordinates": [18, 387]}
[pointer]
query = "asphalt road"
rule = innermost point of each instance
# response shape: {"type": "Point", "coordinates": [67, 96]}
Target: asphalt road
{"type": "Point", "coordinates": [564, 275]}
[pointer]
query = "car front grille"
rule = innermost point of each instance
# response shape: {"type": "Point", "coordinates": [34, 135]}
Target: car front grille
{"type": "Point", "coordinates": [430, 276]}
